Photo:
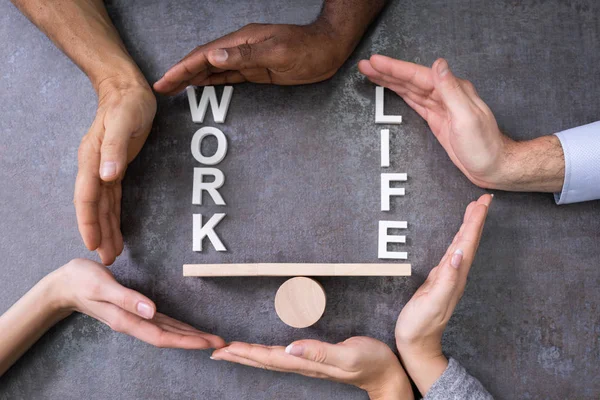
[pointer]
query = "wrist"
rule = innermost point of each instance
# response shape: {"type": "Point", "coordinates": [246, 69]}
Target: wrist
{"type": "Point", "coordinates": [394, 384]}
{"type": "Point", "coordinates": [53, 290]}
{"type": "Point", "coordinates": [423, 367]}
{"type": "Point", "coordinates": [118, 79]}
{"type": "Point", "coordinates": [340, 43]}
{"type": "Point", "coordinates": [535, 165]}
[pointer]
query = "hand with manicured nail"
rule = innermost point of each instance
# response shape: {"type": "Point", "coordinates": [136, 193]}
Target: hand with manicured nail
{"type": "Point", "coordinates": [260, 53]}
{"type": "Point", "coordinates": [424, 318]}
{"type": "Point", "coordinates": [122, 124]}
{"type": "Point", "coordinates": [466, 128]}
{"type": "Point", "coordinates": [360, 361]}
{"type": "Point", "coordinates": [88, 287]}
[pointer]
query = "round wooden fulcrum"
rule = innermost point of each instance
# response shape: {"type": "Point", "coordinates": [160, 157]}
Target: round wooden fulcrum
{"type": "Point", "coordinates": [300, 302]}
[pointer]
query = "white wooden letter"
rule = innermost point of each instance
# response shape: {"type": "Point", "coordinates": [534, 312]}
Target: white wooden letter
{"type": "Point", "coordinates": [387, 191]}
{"type": "Point", "coordinates": [210, 187]}
{"type": "Point", "coordinates": [385, 238]}
{"type": "Point", "coordinates": [207, 230]}
{"type": "Point", "coordinates": [380, 118]}
{"type": "Point", "coordinates": [221, 145]}
{"type": "Point", "coordinates": [209, 95]}
{"type": "Point", "coordinates": [385, 147]}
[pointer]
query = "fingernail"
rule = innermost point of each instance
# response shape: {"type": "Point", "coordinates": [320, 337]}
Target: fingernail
{"type": "Point", "coordinates": [219, 55]}
{"type": "Point", "coordinates": [145, 310]}
{"type": "Point", "coordinates": [456, 258]}
{"type": "Point", "coordinates": [442, 68]}
{"type": "Point", "coordinates": [216, 359]}
{"type": "Point", "coordinates": [492, 195]}
{"type": "Point", "coordinates": [295, 350]}
{"type": "Point", "coordinates": [108, 170]}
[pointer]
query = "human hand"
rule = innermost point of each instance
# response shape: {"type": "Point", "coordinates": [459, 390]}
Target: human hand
{"type": "Point", "coordinates": [467, 129]}
{"type": "Point", "coordinates": [126, 109]}
{"type": "Point", "coordinates": [360, 361]}
{"type": "Point", "coordinates": [424, 318]}
{"type": "Point", "coordinates": [261, 53]}
{"type": "Point", "coordinates": [90, 288]}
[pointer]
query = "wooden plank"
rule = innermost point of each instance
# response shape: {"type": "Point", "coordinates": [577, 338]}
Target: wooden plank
{"type": "Point", "coordinates": [262, 269]}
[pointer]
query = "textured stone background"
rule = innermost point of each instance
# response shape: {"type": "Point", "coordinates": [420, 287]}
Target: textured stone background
{"type": "Point", "coordinates": [302, 186]}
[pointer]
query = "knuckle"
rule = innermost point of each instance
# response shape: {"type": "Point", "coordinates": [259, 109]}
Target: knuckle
{"type": "Point", "coordinates": [253, 25]}
{"type": "Point", "coordinates": [352, 361]}
{"type": "Point", "coordinates": [245, 51]}
{"type": "Point", "coordinates": [320, 355]}
{"type": "Point", "coordinates": [124, 300]}
{"type": "Point", "coordinates": [95, 288]}
{"type": "Point", "coordinates": [405, 336]}
{"type": "Point", "coordinates": [469, 85]}
{"type": "Point", "coordinates": [112, 145]}
{"type": "Point", "coordinates": [116, 325]}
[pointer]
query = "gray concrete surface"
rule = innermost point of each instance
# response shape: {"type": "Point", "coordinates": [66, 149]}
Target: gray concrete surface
{"type": "Point", "coordinates": [302, 173]}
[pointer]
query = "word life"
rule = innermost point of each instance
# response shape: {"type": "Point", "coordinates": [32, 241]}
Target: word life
{"type": "Point", "coordinates": [387, 191]}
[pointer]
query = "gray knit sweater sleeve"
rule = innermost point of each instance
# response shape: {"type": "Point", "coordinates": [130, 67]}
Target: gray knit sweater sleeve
{"type": "Point", "coordinates": [455, 383]}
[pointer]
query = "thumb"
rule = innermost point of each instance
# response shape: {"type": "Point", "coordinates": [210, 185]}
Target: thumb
{"type": "Point", "coordinates": [113, 153]}
{"type": "Point", "coordinates": [244, 56]}
{"type": "Point", "coordinates": [449, 87]}
{"type": "Point", "coordinates": [451, 279]}
{"type": "Point", "coordinates": [128, 300]}
{"type": "Point", "coordinates": [321, 352]}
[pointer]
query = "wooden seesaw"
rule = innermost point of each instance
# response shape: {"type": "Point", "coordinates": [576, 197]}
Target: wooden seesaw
{"type": "Point", "coordinates": [300, 301]}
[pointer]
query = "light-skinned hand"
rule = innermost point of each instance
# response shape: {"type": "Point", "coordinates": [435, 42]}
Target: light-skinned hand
{"type": "Point", "coordinates": [467, 129]}
{"type": "Point", "coordinates": [123, 121]}
{"type": "Point", "coordinates": [360, 361]}
{"type": "Point", "coordinates": [260, 53]}
{"type": "Point", "coordinates": [424, 318]}
{"type": "Point", "coordinates": [90, 288]}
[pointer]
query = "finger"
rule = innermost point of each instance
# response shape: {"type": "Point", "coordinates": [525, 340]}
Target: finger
{"type": "Point", "coordinates": [224, 78]}
{"type": "Point", "coordinates": [424, 104]}
{"type": "Point", "coordinates": [194, 64]}
{"type": "Point", "coordinates": [456, 100]}
{"type": "Point", "coordinates": [87, 192]}
{"type": "Point", "coordinates": [467, 215]}
{"type": "Point", "coordinates": [226, 356]}
{"type": "Point", "coordinates": [116, 218]}
{"type": "Point", "coordinates": [366, 68]}
{"type": "Point", "coordinates": [215, 341]}
{"type": "Point", "coordinates": [324, 353]}
{"type": "Point", "coordinates": [275, 357]}
{"type": "Point", "coordinates": [127, 299]}
{"type": "Point", "coordinates": [245, 56]}
{"type": "Point", "coordinates": [114, 224]}
{"type": "Point", "coordinates": [422, 111]}
{"type": "Point", "coordinates": [106, 250]}
{"type": "Point", "coordinates": [415, 98]}
{"type": "Point", "coordinates": [453, 271]}
{"type": "Point", "coordinates": [145, 330]}
{"type": "Point", "coordinates": [474, 225]}
{"type": "Point", "coordinates": [468, 211]}
{"type": "Point", "coordinates": [220, 355]}
{"type": "Point", "coordinates": [119, 125]}
{"type": "Point", "coordinates": [417, 75]}
{"type": "Point", "coordinates": [165, 319]}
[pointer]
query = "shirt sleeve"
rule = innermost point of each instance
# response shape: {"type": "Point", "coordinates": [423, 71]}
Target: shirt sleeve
{"type": "Point", "coordinates": [581, 147]}
{"type": "Point", "coordinates": [455, 383]}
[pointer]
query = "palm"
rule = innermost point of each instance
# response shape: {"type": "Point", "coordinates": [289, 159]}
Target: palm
{"type": "Point", "coordinates": [464, 125]}
{"type": "Point", "coordinates": [90, 288]}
